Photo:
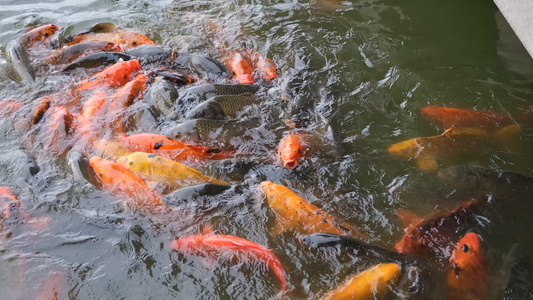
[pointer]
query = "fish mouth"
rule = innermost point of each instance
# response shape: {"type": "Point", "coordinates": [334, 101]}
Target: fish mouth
{"type": "Point", "coordinates": [245, 80]}
{"type": "Point", "coordinates": [290, 164]}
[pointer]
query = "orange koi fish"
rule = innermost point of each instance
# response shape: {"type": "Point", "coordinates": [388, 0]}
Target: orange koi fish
{"type": "Point", "coordinates": [454, 117]}
{"type": "Point", "coordinates": [172, 149]}
{"type": "Point", "coordinates": [292, 148]}
{"type": "Point", "coordinates": [12, 209]}
{"type": "Point", "coordinates": [120, 181]}
{"type": "Point", "coordinates": [110, 149]}
{"type": "Point", "coordinates": [8, 202]}
{"type": "Point", "coordinates": [434, 231]}
{"type": "Point", "coordinates": [212, 246]}
{"type": "Point", "coordinates": [125, 96]}
{"type": "Point", "coordinates": [38, 34]}
{"type": "Point", "coordinates": [53, 288]}
{"type": "Point", "coordinates": [370, 284]}
{"type": "Point", "coordinates": [240, 67]}
{"type": "Point", "coordinates": [121, 37]}
{"type": "Point", "coordinates": [294, 212]}
{"type": "Point", "coordinates": [428, 150]}
{"type": "Point", "coordinates": [112, 76]}
{"type": "Point", "coordinates": [9, 106]}
{"type": "Point", "coordinates": [69, 54]}
{"type": "Point", "coordinates": [89, 122]}
{"type": "Point", "coordinates": [43, 107]}
{"type": "Point", "coordinates": [468, 276]}
{"type": "Point", "coordinates": [59, 128]}
{"type": "Point", "coordinates": [267, 68]}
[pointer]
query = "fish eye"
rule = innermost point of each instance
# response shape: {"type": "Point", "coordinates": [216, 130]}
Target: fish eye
{"type": "Point", "coordinates": [134, 43]}
{"type": "Point", "coordinates": [299, 150]}
{"type": "Point", "coordinates": [233, 73]}
{"type": "Point", "coordinates": [131, 163]}
{"type": "Point", "coordinates": [465, 248]}
{"type": "Point", "coordinates": [177, 135]}
{"type": "Point", "coordinates": [46, 34]}
{"type": "Point", "coordinates": [101, 174]}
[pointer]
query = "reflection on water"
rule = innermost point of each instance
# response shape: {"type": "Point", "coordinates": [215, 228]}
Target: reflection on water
{"type": "Point", "coordinates": [361, 69]}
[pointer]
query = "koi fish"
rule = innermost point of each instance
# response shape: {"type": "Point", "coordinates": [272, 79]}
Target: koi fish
{"type": "Point", "coordinates": [38, 34]}
{"type": "Point", "coordinates": [427, 150]}
{"type": "Point", "coordinates": [9, 106]}
{"type": "Point", "coordinates": [163, 170]}
{"type": "Point", "coordinates": [112, 76]}
{"type": "Point", "coordinates": [121, 37]}
{"type": "Point", "coordinates": [434, 231]}
{"type": "Point", "coordinates": [221, 107]}
{"type": "Point", "coordinates": [69, 54]}
{"type": "Point", "coordinates": [110, 149]}
{"type": "Point", "coordinates": [120, 181]}
{"type": "Point", "coordinates": [172, 149]}
{"type": "Point", "coordinates": [518, 284]}
{"type": "Point", "coordinates": [370, 284]}
{"type": "Point", "coordinates": [263, 65]}
{"type": "Point", "coordinates": [240, 67]}
{"type": "Point", "coordinates": [455, 117]}
{"type": "Point", "coordinates": [8, 202]}
{"type": "Point", "coordinates": [292, 148]}
{"type": "Point", "coordinates": [211, 246]}
{"type": "Point", "coordinates": [87, 121]}
{"type": "Point", "coordinates": [53, 288]}
{"type": "Point", "coordinates": [294, 212]}
{"type": "Point", "coordinates": [60, 127]}
{"type": "Point", "coordinates": [126, 95]}
{"type": "Point", "coordinates": [42, 108]}
{"type": "Point", "coordinates": [468, 276]}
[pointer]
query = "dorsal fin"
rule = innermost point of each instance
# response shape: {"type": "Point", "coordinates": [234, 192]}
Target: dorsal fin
{"type": "Point", "coordinates": [208, 229]}
{"type": "Point", "coordinates": [408, 218]}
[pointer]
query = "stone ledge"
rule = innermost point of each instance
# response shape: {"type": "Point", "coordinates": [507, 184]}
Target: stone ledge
{"type": "Point", "coordinates": [519, 14]}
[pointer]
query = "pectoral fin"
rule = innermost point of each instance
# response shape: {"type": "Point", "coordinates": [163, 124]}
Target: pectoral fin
{"type": "Point", "coordinates": [427, 163]}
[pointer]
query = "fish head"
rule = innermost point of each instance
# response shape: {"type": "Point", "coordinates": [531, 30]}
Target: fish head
{"type": "Point", "coordinates": [432, 112]}
{"type": "Point", "coordinates": [49, 30]}
{"type": "Point", "coordinates": [134, 39]}
{"type": "Point", "coordinates": [188, 244]}
{"type": "Point", "coordinates": [409, 148]}
{"type": "Point", "coordinates": [271, 192]}
{"type": "Point", "coordinates": [186, 130]}
{"type": "Point", "coordinates": [137, 161]}
{"type": "Point", "coordinates": [468, 253]}
{"type": "Point", "coordinates": [241, 68]}
{"type": "Point", "coordinates": [291, 149]}
{"type": "Point", "coordinates": [267, 68]}
{"type": "Point", "coordinates": [107, 172]}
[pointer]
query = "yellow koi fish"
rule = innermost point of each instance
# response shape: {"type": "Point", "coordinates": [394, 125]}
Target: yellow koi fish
{"type": "Point", "coordinates": [171, 174]}
{"type": "Point", "coordinates": [369, 284]}
{"type": "Point", "coordinates": [295, 213]}
{"type": "Point", "coordinates": [428, 150]}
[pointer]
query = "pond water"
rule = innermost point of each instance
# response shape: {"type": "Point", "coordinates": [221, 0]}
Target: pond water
{"type": "Point", "coordinates": [365, 67]}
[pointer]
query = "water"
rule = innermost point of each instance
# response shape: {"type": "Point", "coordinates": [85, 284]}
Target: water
{"type": "Point", "coordinates": [367, 67]}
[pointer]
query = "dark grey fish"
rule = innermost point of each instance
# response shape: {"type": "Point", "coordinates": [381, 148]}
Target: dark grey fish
{"type": "Point", "coordinates": [204, 67]}
{"type": "Point", "coordinates": [81, 169]}
{"type": "Point", "coordinates": [203, 130]}
{"type": "Point", "coordinates": [96, 60]}
{"type": "Point", "coordinates": [192, 193]}
{"type": "Point", "coordinates": [67, 35]}
{"type": "Point", "coordinates": [209, 90]}
{"type": "Point", "coordinates": [161, 96]}
{"type": "Point", "coordinates": [151, 53]}
{"type": "Point", "coordinates": [326, 240]}
{"type": "Point", "coordinates": [519, 286]}
{"type": "Point", "coordinates": [501, 184]}
{"type": "Point", "coordinates": [220, 107]}
{"type": "Point", "coordinates": [18, 58]}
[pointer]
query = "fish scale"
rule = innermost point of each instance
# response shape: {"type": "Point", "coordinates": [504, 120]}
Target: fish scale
{"type": "Point", "coordinates": [220, 107]}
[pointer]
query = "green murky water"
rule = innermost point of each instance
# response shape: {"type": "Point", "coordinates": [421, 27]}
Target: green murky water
{"type": "Point", "coordinates": [367, 67]}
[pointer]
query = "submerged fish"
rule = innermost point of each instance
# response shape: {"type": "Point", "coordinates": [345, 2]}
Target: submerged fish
{"type": "Point", "coordinates": [96, 60]}
{"type": "Point", "coordinates": [123, 37]}
{"type": "Point", "coordinates": [518, 286]}
{"type": "Point", "coordinates": [213, 246]}
{"type": "Point", "coordinates": [327, 240]}
{"type": "Point", "coordinates": [468, 276]}
{"type": "Point", "coordinates": [18, 59]}
{"type": "Point", "coordinates": [411, 284]}
{"type": "Point", "coordinates": [175, 150]}
{"type": "Point", "coordinates": [192, 194]}
{"type": "Point", "coordinates": [112, 76]}
{"type": "Point", "coordinates": [205, 67]}
{"type": "Point", "coordinates": [295, 213]}
{"type": "Point", "coordinates": [171, 174]}
{"type": "Point", "coordinates": [41, 109]}
{"type": "Point", "coordinates": [175, 76]}
{"type": "Point", "coordinates": [120, 181]}
{"type": "Point", "coordinates": [373, 283]}
{"type": "Point", "coordinates": [148, 53]}
{"type": "Point", "coordinates": [501, 184]}
{"type": "Point", "coordinates": [434, 231]}
{"type": "Point", "coordinates": [69, 54]}
{"type": "Point", "coordinates": [9, 203]}
{"type": "Point", "coordinates": [161, 96]}
{"type": "Point", "coordinates": [428, 150]}
{"type": "Point", "coordinates": [221, 107]}
{"type": "Point", "coordinates": [38, 34]}
{"type": "Point", "coordinates": [454, 117]}
{"type": "Point", "coordinates": [292, 148]}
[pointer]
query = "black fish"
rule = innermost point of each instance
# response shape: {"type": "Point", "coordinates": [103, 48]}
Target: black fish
{"type": "Point", "coordinates": [209, 90]}
{"type": "Point", "coordinates": [202, 130]}
{"type": "Point", "coordinates": [518, 285]}
{"type": "Point", "coordinates": [96, 60]}
{"type": "Point", "coordinates": [326, 240]}
{"type": "Point", "coordinates": [501, 184]}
